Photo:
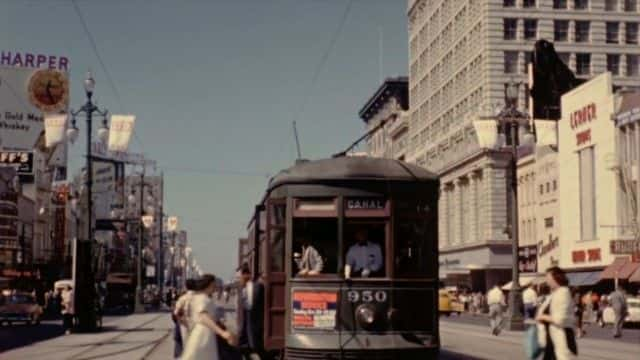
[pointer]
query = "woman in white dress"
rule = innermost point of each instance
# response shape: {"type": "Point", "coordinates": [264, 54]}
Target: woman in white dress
{"type": "Point", "coordinates": [201, 343]}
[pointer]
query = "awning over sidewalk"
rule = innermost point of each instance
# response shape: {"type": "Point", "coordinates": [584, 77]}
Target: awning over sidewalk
{"type": "Point", "coordinates": [586, 278]}
{"type": "Point", "coordinates": [526, 280]}
{"type": "Point", "coordinates": [620, 268]}
{"type": "Point", "coordinates": [635, 277]}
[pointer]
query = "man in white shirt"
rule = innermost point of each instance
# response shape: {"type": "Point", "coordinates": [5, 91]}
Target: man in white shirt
{"type": "Point", "coordinates": [529, 299]}
{"type": "Point", "coordinates": [68, 309]}
{"type": "Point", "coordinates": [364, 257]}
{"type": "Point", "coordinates": [496, 302]}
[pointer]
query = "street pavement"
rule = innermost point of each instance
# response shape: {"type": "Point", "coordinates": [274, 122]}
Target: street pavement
{"type": "Point", "coordinates": [468, 341]}
{"type": "Point", "coordinates": [631, 335]}
{"type": "Point", "coordinates": [148, 336]}
{"type": "Point", "coordinates": [126, 338]}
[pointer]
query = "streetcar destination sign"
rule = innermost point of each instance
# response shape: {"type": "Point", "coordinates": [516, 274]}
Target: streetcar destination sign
{"type": "Point", "coordinates": [365, 204]}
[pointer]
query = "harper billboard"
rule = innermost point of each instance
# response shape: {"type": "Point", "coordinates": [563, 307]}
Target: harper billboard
{"type": "Point", "coordinates": [25, 96]}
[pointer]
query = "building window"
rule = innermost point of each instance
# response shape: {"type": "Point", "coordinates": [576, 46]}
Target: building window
{"type": "Point", "coordinates": [510, 62]}
{"type": "Point", "coordinates": [582, 31]}
{"type": "Point", "coordinates": [565, 58]}
{"type": "Point", "coordinates": [555, 185]}
{"type": "Point", "coordinates": [561, 30]}
{"type": "Point", "coordinates": [559, 4]}
{"type": "Point", "coordinates": [509, 3]}
{"type": "Point", "coordinates": [613, 32]}
{"type": "Point", "coordinates": [632, 65]}
{"type": "Point", "coordinates": [613, 64]}
{"type": "Point", "coordinates": [630, 5]}
{"type": "Point", "coordinates": [541, 189]}
{"type": "Point", "coordinates": [583, 64]}
{"type": "Point", "coordinates": [631, 34]}
{"type": "Point", "coordinates": [548, 222]}
{"type": "Point", "coordinates": [587, 194]}
{"type": "Point", "coordinates": [528, 3]}
{"type": "Point", "coordinates": [611, 5]}
{"type": "Point", "coordinates": [530, 29]}
{"type": "Point", "coordinates": [548, 186]}
{"type": "Point", "coordinates": [581, 4]}
{"type": "Point", "coordinates": [510, 29]}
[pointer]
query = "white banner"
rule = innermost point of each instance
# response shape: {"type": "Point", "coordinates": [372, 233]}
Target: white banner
{"type": "Point", "coordinates": [172, 223]}
{"type": "Point", "coordinates": [147, 221]}
{"type": "Point", "coordinates": [487, 132]}
{"type": "Point", "coordinates": [546, 132]}
{"type": "Point", "coordinates": [55, 127]}
{"type": "Point", "coordinates": [120, 132]}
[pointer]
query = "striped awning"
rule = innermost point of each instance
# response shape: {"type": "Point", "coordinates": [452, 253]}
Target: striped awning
{"type": "Point", "coordinates": [586, 278]}
{"type": "Point", "coordinates": [613, 270]}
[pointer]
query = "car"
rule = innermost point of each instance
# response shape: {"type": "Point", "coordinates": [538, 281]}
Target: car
{"type": "Point", "coordinates": [19, 307]}
{"type": "Point", "coordinates": [633, 304]}
{"type": "Point", "coordinates": [448, 304]}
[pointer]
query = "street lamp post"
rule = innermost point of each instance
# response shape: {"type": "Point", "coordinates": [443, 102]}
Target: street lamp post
{"type": "Point", "coordinates": [510, 122]}
{"type": "Point", "coordinates": [139, 306]}
{"type": "Point", "coordinates": [85, 292]}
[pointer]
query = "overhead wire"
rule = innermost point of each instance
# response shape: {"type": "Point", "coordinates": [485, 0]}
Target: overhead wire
{"type": "Point", "coordinates": [323, 59]}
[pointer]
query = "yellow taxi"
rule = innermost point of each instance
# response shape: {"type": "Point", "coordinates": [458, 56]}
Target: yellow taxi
{"type": "Point", "coordinates": [448, 303]}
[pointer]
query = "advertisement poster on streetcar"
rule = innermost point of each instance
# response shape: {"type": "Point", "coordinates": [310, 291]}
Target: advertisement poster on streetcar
{"type": "Point", "coordinates": [314, 310]}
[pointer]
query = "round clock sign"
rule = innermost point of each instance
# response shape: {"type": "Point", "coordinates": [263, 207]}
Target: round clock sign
{"type": "Point", "coordinates": [49, 90]}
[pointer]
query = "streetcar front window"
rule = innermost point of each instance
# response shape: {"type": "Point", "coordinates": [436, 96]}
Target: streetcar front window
{"type": "Point", "coordinates": [365, 248]}
{"type": "Point", "coordinates": [315, 246]}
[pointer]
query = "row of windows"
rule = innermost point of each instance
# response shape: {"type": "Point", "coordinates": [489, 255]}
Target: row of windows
{"type": "Point", "coordinates": [582, 63]}
{"type": "Point", "coordinates": [610, 5]}
{"type": "Point", "coordinates": [582, 31]}
{"type": "Point", "coordinates": [550, 186]}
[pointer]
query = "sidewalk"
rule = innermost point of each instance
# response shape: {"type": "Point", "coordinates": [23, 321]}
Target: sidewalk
{"type": "Point", "coordinates": [127, 337]}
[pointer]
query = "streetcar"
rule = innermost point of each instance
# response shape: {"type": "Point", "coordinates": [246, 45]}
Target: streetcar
{"type": "Point", "coordinates": [389, 311]}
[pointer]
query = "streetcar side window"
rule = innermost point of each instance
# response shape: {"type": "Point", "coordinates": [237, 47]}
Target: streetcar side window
{"type": "Point", "coordinates": [415, 237]}
{"type": "Point", "coordinates": [315, 246]}
{"type": "Point", "coordinates": [365, 247]}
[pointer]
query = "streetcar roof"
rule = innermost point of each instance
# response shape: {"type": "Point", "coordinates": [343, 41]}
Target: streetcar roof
{"type": "Point", "coordinates": [351, 168]}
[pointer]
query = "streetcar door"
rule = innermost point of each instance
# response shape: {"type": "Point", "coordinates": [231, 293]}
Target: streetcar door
{"type": "Point", "coordinates": [275, 277]}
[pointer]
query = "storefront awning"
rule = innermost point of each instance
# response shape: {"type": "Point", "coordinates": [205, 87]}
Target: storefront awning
{"type": "Point", "coordinates": [526, 280]}
{"type": "Point", "coordinates": [586, 278]}
{"type": "Point", "coordinates": [620, 268]}
{"type": "Point", "coordinates": [635, 277]}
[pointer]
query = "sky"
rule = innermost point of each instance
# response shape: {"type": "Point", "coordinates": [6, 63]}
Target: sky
{"type": "Point", "coordinates": [215, 86]}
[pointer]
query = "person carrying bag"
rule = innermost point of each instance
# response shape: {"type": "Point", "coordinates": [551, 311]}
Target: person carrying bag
{"type": "Point", "coordinates": [556, 319]}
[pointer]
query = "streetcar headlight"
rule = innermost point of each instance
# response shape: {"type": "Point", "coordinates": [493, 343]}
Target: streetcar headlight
{"type": "Point", "coordinates": [366, 315]}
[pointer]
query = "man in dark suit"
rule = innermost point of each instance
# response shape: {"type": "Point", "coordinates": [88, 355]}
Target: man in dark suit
{"type": "Point", "coordinates": [252, 303]}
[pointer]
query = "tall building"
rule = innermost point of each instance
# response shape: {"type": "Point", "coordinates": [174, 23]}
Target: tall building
{"type": "Point", "coordinates": [389, 104]}
{"type": "Point", "coordinates": [461, 55]}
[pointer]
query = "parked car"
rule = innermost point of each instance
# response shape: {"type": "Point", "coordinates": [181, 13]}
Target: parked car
{"type": "Point", "coordinates": [448, 303]}
{"type": "Point", "coordinates": [19, 307]}
{"type": "Point", "coordinates": [608, 316]}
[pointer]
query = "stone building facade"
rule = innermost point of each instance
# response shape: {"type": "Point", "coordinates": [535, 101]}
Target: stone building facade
{"type": "Point", "coordinates": [461, 55]}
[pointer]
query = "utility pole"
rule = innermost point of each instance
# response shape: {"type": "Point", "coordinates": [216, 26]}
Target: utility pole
{"type": "Point", "coordinates": [160, 269]}
{"type": "Point", "coordinates": [139, 307]}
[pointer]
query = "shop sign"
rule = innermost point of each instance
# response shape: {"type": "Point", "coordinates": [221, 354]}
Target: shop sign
{"type": "Point", "coordinates": [528, 259]}
{"type": "Point", "coordinates": [365, 204]}
{"type": "Point", "coordinates": [583, 137]}
{"type": "Point", "coordinates": [34, 61]}
{"type": "Point", "coordinates": [449, 262]}
{"type": "Point", "coordinates": [590, 255]}
{"type": "Point", "coordinates": [624, 247]}
{"type": "Point", "coordinates": [582, 116]}
{"type": "Point", "coordinates": [546, 248]}
{"type": "Point", "coordinates": [22, 161]}
{"type": "Point", "coordinates": [314, 310]}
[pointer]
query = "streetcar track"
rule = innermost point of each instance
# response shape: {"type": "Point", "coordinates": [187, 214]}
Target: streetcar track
{"type": "Point", "coordinates": [111, 340]}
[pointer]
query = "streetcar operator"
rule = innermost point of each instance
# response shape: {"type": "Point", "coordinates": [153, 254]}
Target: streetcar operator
{"type": "Point", "coordinates": [309, 262]}
{"type": "Point", "coordinates": [364, 257]}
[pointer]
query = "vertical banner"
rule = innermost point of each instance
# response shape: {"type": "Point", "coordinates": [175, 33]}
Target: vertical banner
{"type": "Point", "coordinates": [172, 223]}
{"type": "Point", "coordinates": [120, 132]}
{"type": "Point", "coordinates": [55, 126]}
{"type": "Point", "coordinates": [546, 132]}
